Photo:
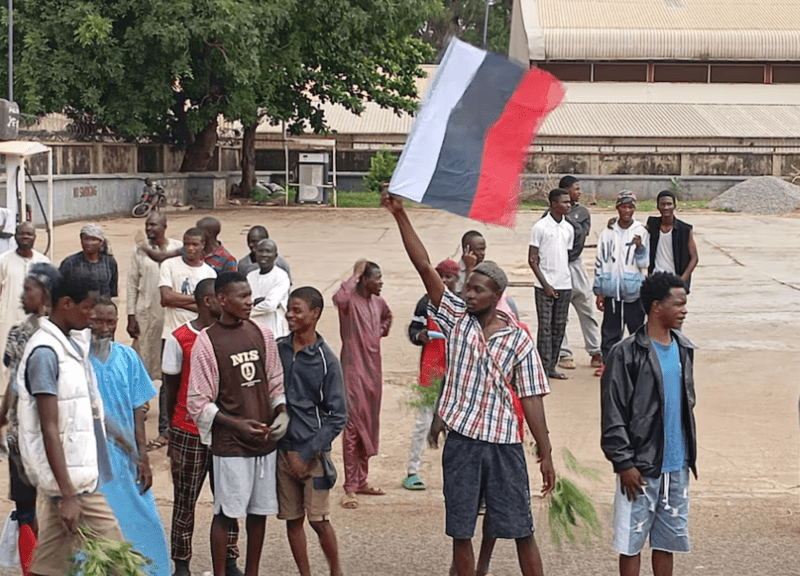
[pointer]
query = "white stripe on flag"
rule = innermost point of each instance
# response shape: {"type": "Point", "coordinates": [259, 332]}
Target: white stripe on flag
{"type": "Point", "coordinates": [421, 152]}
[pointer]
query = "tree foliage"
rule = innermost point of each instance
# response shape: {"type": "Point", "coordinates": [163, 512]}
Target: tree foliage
{"type": "Point", "coordinates": [464, 19]}
{"type": "Point", "coordinates": [168, 69]}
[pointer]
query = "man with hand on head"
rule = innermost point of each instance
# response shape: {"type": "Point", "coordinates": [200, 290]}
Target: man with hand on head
{"type": "Point", "coordinates": [237, 400]}
{"type": "Point", "coordinates": [473, 248]}
{"type": "Point", "coordinates": [364, 318]}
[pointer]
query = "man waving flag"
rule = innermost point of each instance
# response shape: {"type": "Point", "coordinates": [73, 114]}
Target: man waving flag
{"type": "Point", "coordinates": [472, 134]}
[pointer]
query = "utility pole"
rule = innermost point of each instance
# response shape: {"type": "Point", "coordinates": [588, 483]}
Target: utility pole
{"type": "Point", "coordinates": [485, 23]}
{"type": "Point", "coordinates": [11, 50]}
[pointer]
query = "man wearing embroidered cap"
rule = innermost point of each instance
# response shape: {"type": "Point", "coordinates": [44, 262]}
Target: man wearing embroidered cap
{"type": "Point", "coordinates": [94, 258]}
{"type": "Point", "coordinates": [622, 258]}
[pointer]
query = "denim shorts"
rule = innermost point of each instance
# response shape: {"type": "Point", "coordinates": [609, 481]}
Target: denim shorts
{"type": "Point", "coordinates": [662, 512]}
{"type": "Point", "coordinates": [476, 471]}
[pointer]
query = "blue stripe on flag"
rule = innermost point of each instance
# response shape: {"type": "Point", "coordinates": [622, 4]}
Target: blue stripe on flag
{"type": "Point", "coordinates": [455, 180]}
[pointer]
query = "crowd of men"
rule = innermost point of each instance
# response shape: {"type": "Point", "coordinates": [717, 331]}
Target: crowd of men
{"type": "Point", "coordinates": [252, 396]}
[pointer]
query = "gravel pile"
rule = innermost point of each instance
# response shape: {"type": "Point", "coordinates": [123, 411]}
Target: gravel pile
{"type": "Point", "coordinates": [761, 195]}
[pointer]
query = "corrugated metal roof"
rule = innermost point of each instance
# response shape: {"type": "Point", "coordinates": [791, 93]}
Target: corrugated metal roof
{"type": "Point", "coordinates": [642, 120]}
{"type": "Point", "coordinates": [658, 29]}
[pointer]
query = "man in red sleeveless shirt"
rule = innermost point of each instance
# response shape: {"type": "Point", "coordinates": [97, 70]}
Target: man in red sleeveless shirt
{"type": "Point", "coordinates": [236, 399]}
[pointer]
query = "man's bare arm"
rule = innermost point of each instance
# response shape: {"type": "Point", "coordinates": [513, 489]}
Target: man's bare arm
{"type": "Point", "coordinates": [533, 408]}
{"type": "Point", "coordinates": [414, 247]}
{"type": "Point", "coordinates": [144, 475]}
{"type": "Point", "coordinates": [694, 258]}
{"type": "Point", "coordinates": [172, 299]}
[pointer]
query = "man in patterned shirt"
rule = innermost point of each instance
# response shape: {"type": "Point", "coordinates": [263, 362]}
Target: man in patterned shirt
{"type": "Point", "coordinates": [493, 374]}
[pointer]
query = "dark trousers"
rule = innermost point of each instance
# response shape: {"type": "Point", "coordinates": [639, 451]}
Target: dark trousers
{"type": "Point", "coordinates": [191, 462]}
{"type": "Point", "coordinates": [552, 314]}
{"type": "Point", "coordinates": [616, 317]}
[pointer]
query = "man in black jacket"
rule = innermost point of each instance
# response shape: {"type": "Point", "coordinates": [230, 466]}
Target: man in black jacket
{"type": "Point", "coordinates": [647, 402]}
{"type": "Point", "coordinates": [672, 246]}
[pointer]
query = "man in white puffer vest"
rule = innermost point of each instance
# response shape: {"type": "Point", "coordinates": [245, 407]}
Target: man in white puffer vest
{"type": "Point", "coordinates": [61, 432]}
{"type": "Point", "coordinates": [622, 259]}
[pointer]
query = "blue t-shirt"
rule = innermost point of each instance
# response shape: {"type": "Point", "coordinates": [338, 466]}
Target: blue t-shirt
{"type": "Point", "coordinates": [674, 444]}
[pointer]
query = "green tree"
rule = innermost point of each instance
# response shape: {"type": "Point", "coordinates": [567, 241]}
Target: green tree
{"type": "Point", "coordinates": [464, 19]}
{"type": "Point", "coordinates": [171, 69]}
{"type": "Point", "coordinates": [381, 168]}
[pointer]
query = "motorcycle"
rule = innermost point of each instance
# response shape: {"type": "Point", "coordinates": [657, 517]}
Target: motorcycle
{"type": "Point", "coordinates": [153, 198]}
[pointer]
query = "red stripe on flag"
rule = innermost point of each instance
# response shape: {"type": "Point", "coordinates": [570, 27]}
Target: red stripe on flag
{"type": "Point", "coordinates": [506, 147]}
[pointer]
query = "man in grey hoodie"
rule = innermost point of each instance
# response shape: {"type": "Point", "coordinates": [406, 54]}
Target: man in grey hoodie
{"type": "Point", "coordinates": [315, 401]}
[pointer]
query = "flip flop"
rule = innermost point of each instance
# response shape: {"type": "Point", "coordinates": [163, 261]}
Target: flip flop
{"type": "Point", "coordinates": [599, 371]}
{"type": "Point", "coordinates": [368, 490]}
{"type": "Point", "coordinates": [557, 375]}
{"type": "Point", "coordinates": [597, 361]}
{"type": "Point", "coordinates": [568, 363]}
{"type": "Point", "coordinates": [413, 482]}
{"type": "Point", "coordinates": [349, 501]}
{"type": "Point", "coordinates": [157, 443]}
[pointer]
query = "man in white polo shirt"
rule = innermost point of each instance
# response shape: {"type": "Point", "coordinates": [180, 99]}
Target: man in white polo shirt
{"type": "Point", "coordinates": [548, 256]}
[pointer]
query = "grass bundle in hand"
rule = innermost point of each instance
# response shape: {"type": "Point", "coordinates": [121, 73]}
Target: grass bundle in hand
{"type": "Point", "coordinates": [571, 511]}
{"type": "Point", "coordinates": [103, 557]}
{"type": "Point", "coordinates": [425, 396]}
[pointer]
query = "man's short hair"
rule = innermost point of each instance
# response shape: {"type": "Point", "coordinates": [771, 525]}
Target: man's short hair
{"type": "Point", "coordinates": [227, 278]}
{"type": "Point", "coordinates": [369, 268]}
{"type": "Point", "coordinates": [258, 228]}
{"type": "Point", "coordinates": [206, 287]}
{"type": "Point", "coordinates": [469, 236]}
{"type": "Point", "coordinates": [665, 193]}
{"type": "Point", "coordinates": [76, 284]}
{"type": "Point", "coordinates": [555, 193]}
{"type": "Point", "coordinates": [566, 182]}
{"type": "Point", "coordinates": [657, 286]}
{"type": "Point", "coordinates": [492, 271]}
{"type": "Point", "coordinates": [194, 231]}
{"type": "Point", "coordinates": [106, 300]}
{"type": "Point", "coordinates": [310, 296]}
{"type": "Point", "coordinates": [209, 222]}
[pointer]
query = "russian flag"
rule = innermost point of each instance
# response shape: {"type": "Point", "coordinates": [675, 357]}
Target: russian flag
{"type": "Point", "coordinates": [471, 136]}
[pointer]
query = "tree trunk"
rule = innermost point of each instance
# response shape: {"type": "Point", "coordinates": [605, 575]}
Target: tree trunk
{"type": "Point", "coordinates": [248, 160]}
{"type": "Point", "coordinates": [200, 152]}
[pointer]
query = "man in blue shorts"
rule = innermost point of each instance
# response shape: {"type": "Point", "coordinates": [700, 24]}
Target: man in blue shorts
{"type": "Point", "coordinates": [494, 380]}
{"type": "Point", "coordinates": [647, 402]}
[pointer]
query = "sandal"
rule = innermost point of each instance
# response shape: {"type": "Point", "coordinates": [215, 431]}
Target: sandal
{"type": "Point", "coordinates": [413, 482]}
{"type": "Point", "coordinates": [554, 375]}
{"type": "Point", "coordinates": [349, 501]}
{"type": "Point", "coordinates": [599, 371]}
{"type": "Point", "coordinates": [370, 490]}
{"type": "Point", "coordinates": [159, 442]}
{"type": "Point", "coordinates": [567, 362]}
{"type": "Point", "coordinates": [597, 361]}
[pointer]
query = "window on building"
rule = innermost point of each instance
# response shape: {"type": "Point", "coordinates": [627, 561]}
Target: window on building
{"type": "Point", "coordinates": [608, 72]}
{"type": "Point", "coordinates": [680, 73]}
{"type": "Point", "coordinates": [785, 74]}
{"type": "Point", "coordinates": [738, 73]}
{"type": "Point", "coordinates": [569, 71]}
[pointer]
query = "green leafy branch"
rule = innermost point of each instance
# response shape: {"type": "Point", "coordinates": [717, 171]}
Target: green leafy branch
{"type": "Point", "coordinates": [100, 556]}
{"type": "Point", "coordinates": [571, 511]}
{"type": "Point", "coordinates": [425, 396]}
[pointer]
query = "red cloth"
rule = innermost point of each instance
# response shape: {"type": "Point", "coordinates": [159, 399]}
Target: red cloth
{"type": "Point", "coordinates": [434, 358]}
{"type": "Point", "coordinates": [181, 419]}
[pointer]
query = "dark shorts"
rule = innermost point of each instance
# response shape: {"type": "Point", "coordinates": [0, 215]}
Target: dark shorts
{"type": "Point", "coordinates": [476, 471]}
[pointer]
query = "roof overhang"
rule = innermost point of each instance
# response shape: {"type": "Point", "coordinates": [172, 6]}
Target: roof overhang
{"type": "Point", "coordinates": [22, 148]}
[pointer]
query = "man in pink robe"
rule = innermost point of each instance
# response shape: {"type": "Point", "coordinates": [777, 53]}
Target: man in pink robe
{"type": "Point", "coordinates": [364, 318]}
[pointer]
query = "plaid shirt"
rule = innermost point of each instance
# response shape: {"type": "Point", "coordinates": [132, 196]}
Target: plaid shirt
{"type": "Point", "coordinates": [476, 401]}
{"type": "Point", "coordinates": [221, 260]}
{"type": "Point", "coordinates": [104, 270]}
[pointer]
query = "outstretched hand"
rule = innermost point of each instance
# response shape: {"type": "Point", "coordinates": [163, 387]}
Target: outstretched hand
{"type": "Point", "coordinates": [393, 204]}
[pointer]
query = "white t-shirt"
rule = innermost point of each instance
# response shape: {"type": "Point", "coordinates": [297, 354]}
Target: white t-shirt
{"type": "Point", "coordinates": [665, 258]}
{"type": "Point", "coordinates": [554, 241]}
{"type": "Point", "coordinates": [183, 279]}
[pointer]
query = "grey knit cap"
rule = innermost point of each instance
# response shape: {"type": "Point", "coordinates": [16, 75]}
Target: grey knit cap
{"type": "Point", "coordinates": [494, 272]}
